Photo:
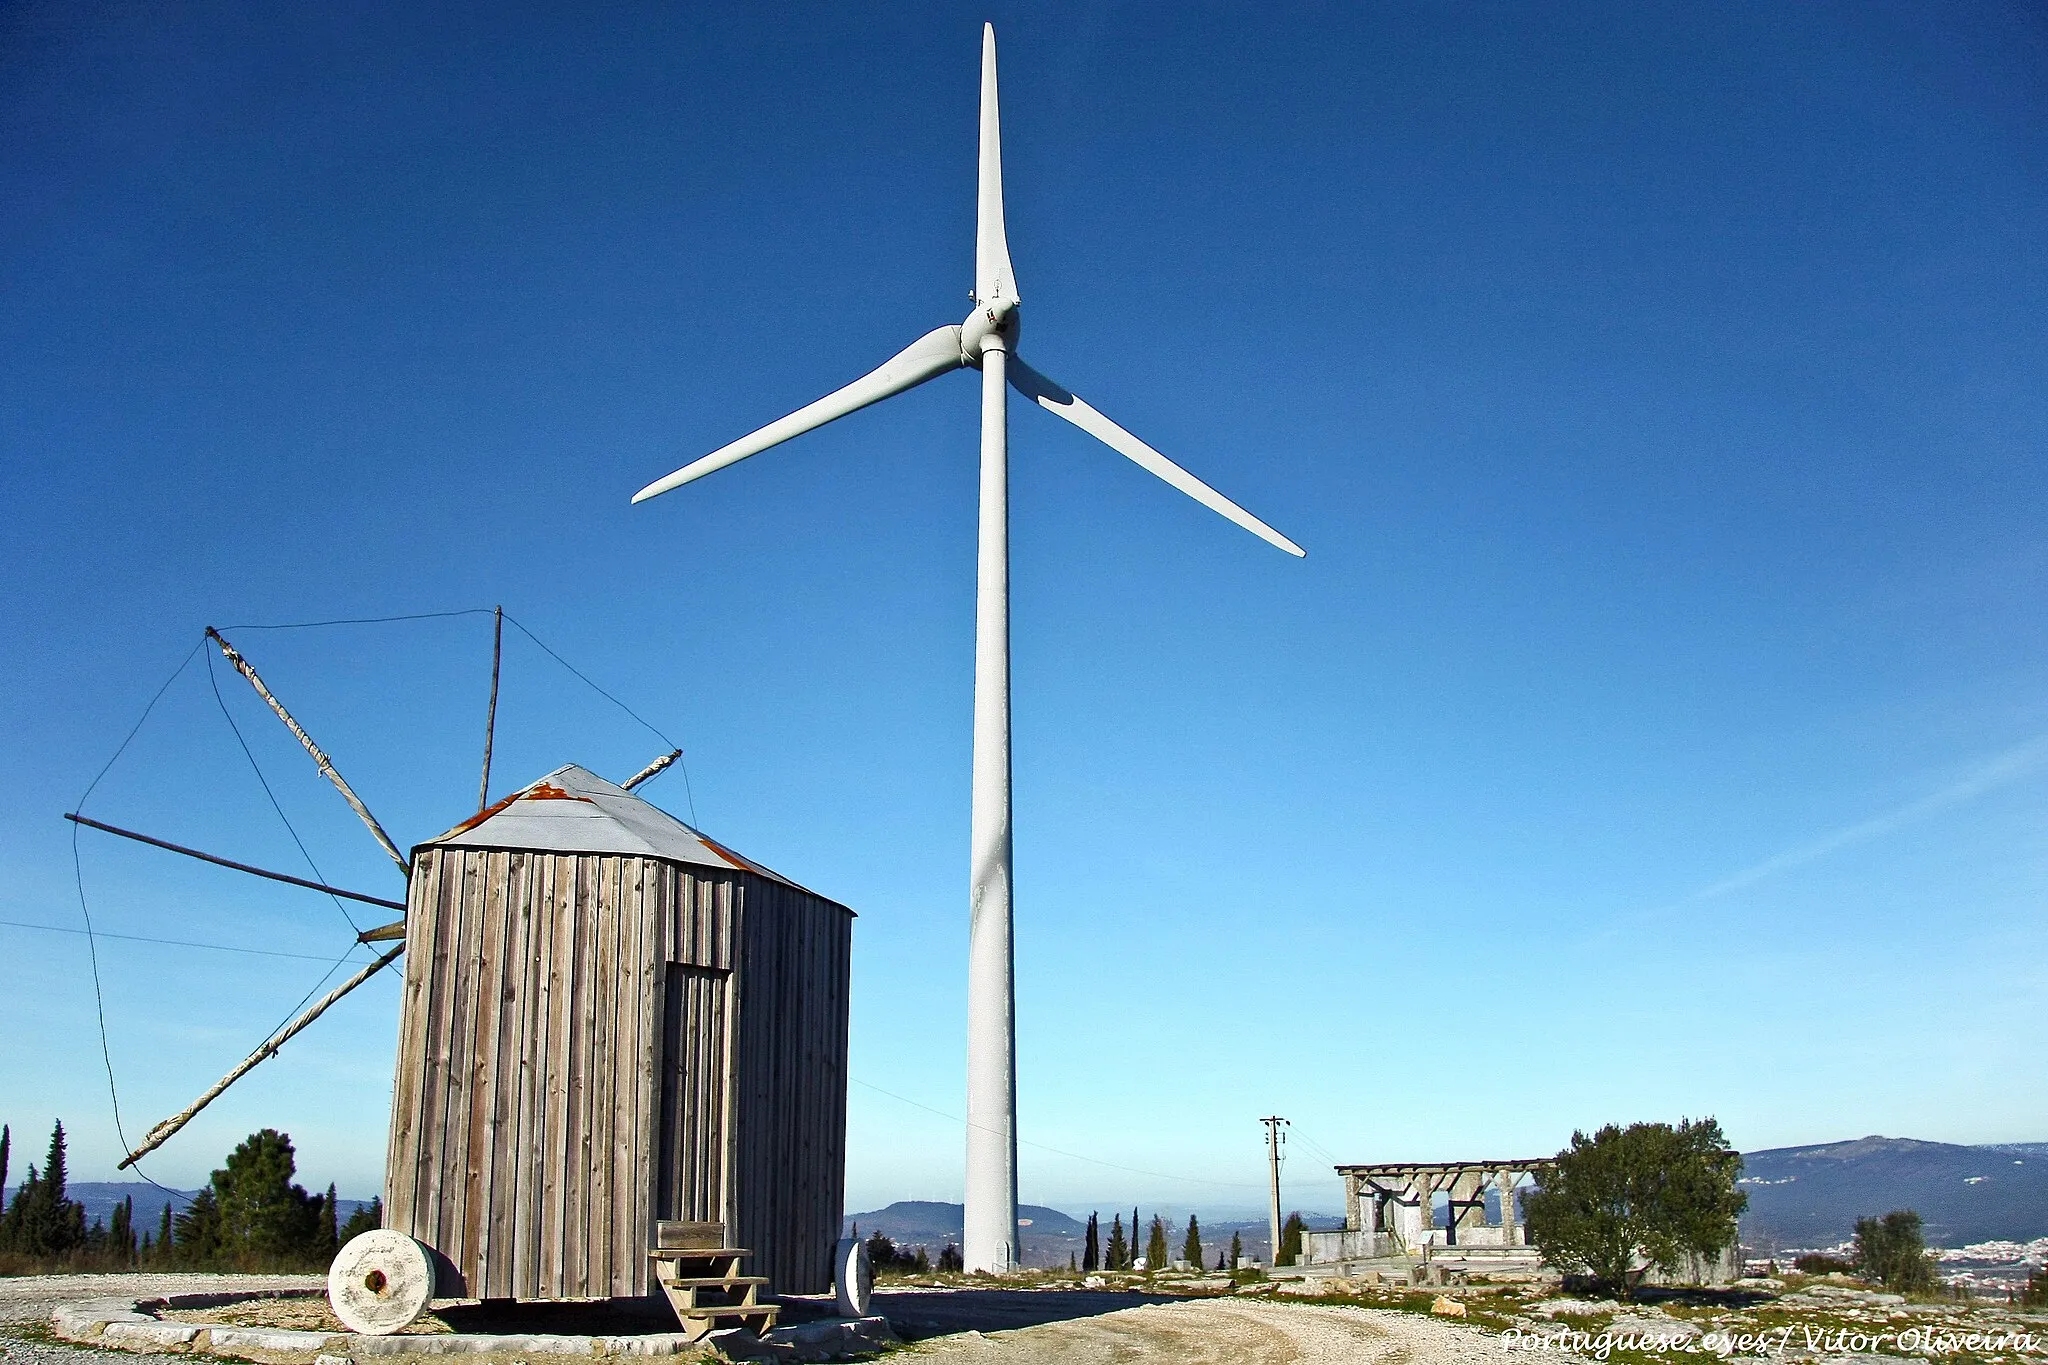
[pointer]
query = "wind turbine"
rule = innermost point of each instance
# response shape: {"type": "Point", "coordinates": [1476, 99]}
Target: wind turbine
{"type": "Point", "coordinates": [986, 341]}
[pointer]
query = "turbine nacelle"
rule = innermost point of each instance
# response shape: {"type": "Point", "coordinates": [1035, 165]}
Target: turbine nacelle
{"type": "Point", "coordinates": [993, 322]}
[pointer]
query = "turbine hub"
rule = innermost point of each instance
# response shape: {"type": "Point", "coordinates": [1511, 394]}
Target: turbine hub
{"type": "Point", "coordinates": [994, 321]}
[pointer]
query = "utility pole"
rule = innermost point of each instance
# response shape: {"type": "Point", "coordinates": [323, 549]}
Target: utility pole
{"type": "Point", "coordinates": [1275, 1140]}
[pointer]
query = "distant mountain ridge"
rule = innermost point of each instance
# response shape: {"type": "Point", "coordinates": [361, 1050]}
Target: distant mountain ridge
{"type": "Point", "coordinates": [1803, 1197]}
{"type": "Point", "coordinates": [919, 1222]}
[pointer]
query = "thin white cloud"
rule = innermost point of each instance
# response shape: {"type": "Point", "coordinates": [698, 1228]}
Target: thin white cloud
{"type": "Point", "coordinates": [2020, 761]}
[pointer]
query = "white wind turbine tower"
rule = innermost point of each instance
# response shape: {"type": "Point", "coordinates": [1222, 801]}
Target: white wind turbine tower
{"type": "Point", "coordinates": [985, 341]}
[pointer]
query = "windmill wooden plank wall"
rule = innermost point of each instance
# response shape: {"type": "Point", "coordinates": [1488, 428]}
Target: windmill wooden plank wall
{"type": "Point", "coordinates": [593, 1039]}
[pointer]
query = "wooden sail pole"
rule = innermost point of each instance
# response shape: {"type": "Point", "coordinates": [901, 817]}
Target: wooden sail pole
{"type": "Point", "coordinates": [163, 1132]}
{"type": "Point", "coordinates": [483, 788]}
{"type": "Point", "coordinates": [651, 769]}
{"type": "Point", "coordinates": [285, 877]}
{"type": "Point", "coordinates": [326, 764]}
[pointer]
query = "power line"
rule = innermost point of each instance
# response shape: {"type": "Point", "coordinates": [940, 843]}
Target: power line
{"type": "Point", "coordinates": [171, 942]}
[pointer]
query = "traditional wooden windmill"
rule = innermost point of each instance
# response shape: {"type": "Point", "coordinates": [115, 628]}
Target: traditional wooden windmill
{"type": "Point", "coordinates": [621, 1060]}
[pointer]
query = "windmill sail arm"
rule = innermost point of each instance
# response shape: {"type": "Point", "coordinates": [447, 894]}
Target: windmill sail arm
{"type": "Point", "coordinates": [319, 756]}
{"type": "Point", "coordinates": [217, 861]}
{"type": "Point", "coordinates": [930, 356]}
{"type": "Point", "coordinates": [1059, 401]}
{"type": "Point", "coordinates": [165, 1131]}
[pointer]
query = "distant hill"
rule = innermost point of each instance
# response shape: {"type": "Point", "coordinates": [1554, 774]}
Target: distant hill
{"type": "Point", "coordinates": [1812, 1196]}
{"type": "Point", "coordinates": [922, 1222]}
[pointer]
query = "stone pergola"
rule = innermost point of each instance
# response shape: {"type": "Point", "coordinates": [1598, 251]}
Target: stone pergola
{"type": "Point", "coordinates": [1388, 1207]}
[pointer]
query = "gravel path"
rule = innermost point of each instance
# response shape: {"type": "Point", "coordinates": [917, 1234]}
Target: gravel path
{"type": "Point", "coordinates": [29, 1298]}
{"type": "Point", "coordinates": [1231, 1332]}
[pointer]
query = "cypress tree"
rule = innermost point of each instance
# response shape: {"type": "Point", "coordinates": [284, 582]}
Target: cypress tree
{"type": "Point", "coordinates": [328, 1240]}
{"type": "Point", "coordinates": [121, 1233]}
{"type": "Point", "coordinates": [6, 1143]}
{"type": "Point", "coordinates": [199, 1231]}
{"type": "Point", "coordinates": [1236, 1248]}
{"type": "Point", "coordinates": [369, 1217]}
{"type": "Point", "coordinates": [14, 1234]}
{"type": "Point", "coordinates": [1118, 1253]}
{"type": "Point", "coordinates": [1091, 1246]}
{"type": "Point", "coordinates": [163, 1234]}
{"type": "Point", "coordinates": [1191, 1249]}
{"type": "Point", "coordinates": [1155, 1245]}
{"type": "Point", "coordinates": [1290, 1240]}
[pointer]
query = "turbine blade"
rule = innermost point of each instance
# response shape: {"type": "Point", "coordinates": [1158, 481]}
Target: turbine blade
{"type": "Point", "coordinates": [993, 278]}
{"type": "Point", "coordinates": [1055, 399]}
{"type": "Point", "coordinates": [930, 356]}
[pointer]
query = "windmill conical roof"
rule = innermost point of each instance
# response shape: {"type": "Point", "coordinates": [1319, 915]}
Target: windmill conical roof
{"type": "Point", "coordinates": [573, 810]}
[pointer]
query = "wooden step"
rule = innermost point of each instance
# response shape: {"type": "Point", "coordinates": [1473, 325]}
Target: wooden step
{"type": "Point", "coordinates": [713, 1282]}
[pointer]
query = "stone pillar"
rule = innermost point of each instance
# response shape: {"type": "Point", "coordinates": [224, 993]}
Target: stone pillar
{"type": "Point", "coordinates": [1510, 1230]}
{"type": "Point", "coordinates": [1425, 1190]}
{"type": "Point", "coordinates": [1353, 1222]}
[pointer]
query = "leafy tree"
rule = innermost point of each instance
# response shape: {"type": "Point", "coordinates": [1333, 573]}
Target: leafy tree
{"type": "Point", "coordinates": [370, 1216]}
{"type": "Point", "coordinates": [1290, 1240]}
{"type": "Point", "coordinates": [1155, 1245]}
{"type": "Point", "coordinates": [1892, 1252]}
{"type": "Point", "coordinates": [1091, 1246]}
{"type": "Point", "coordinates": [2035, 1293]}
{"type": "Point", "coordinates": [265, 1219]}
{"type": "Point", "coordinates": [1119, 1254]}
{"type": "Point", "coordinates": [950, 1258]}
{"type": "Point", "coordinates": [1648, 1192]}
{"type": "Point", "coordinates": [1191, 1248]}
{"type": "Point", "coordinates": [1236, 1248]}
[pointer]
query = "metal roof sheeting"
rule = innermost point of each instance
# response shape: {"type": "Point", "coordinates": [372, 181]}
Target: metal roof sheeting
{"type": "Point", "coordinates": [573, 810]}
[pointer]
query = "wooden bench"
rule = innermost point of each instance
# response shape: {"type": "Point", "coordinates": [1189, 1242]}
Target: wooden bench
{"type": "Point", "coordinates": [701, 1278]}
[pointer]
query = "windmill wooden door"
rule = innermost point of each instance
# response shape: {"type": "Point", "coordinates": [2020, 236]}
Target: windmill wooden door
{"type": "Point", "coordinates": [696, 1067]}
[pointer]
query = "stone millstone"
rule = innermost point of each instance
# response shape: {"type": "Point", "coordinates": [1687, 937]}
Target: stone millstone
{"type": "Point", "coordinates": [854, 1277]}
{"type": "Point", "coordinates": [380, 1282]}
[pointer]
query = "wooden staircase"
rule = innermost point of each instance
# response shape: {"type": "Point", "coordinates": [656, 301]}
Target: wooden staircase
{"type": "Point", "coordinates": [701, 1277]}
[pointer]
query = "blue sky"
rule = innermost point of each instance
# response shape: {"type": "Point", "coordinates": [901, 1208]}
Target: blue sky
{"type": "Point", "coordinates": [1657, 727]}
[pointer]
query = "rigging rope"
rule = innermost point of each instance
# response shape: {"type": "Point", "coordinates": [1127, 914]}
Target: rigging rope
{"type": "Point", "coordinates": [214, 681]}
{"type": "Point", "coordinates": [99, 998]}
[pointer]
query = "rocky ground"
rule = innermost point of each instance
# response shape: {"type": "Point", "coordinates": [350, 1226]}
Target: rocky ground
{"type": "Point", "coordinates": [1207, 1320]}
